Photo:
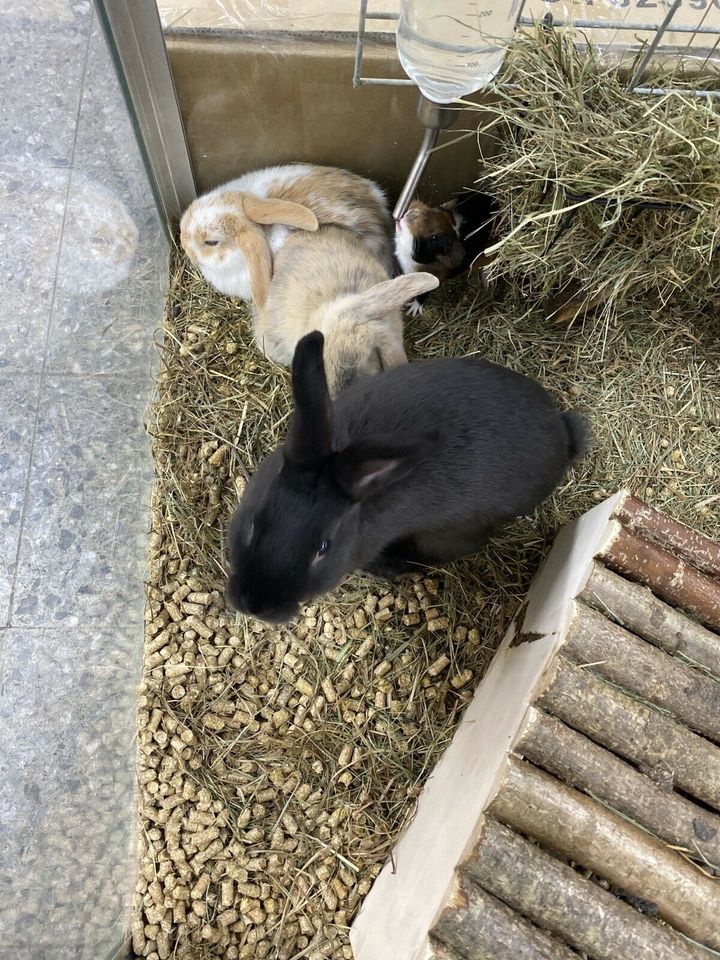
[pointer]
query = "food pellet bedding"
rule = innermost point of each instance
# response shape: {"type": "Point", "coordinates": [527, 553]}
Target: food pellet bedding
{"type": "Point", "coordinates": [277, 766]}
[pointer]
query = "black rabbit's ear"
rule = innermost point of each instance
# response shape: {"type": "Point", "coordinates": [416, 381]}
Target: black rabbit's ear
{"type": "Point", "coordinates": [365, 468]}
{"type": "Point", "coordinates": [310, 435]}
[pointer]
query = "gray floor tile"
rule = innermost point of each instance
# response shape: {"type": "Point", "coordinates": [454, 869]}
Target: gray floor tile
{"type": "Point", "coordinates": [32, 209]}
{"type": "Point", "coordinates": [45, 13]}
{"type": "Point", "coordinates": [18, 404]}
{"type": "Point", "coordinates": [42, 62]}
{"type": "Point", "coordinates": [84, 542]}
{"type": "Point", "coordinates": [113, 261]}
{"type": "Point", "coordinates": [66, 789]}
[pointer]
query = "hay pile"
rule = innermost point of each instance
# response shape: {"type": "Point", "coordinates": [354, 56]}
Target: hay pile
{"type": "Point", "coordinates": [608, 197]}
{"type": "Point", "coordinates": [277, 766]}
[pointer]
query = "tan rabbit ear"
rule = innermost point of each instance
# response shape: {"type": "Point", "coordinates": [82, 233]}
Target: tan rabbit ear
{"type": "Point", "coordinates": [392, 294]}
{"type": "Point", "coordinates": [285, 212]}
{"type": "Point", "coordinates": [259, 262]}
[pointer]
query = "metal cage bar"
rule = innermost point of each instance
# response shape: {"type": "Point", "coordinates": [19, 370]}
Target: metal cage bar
{"type": "Point", "coordinates": [358, 79]}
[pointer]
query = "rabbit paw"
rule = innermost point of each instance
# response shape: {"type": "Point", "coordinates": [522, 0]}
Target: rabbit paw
{"type": "Point", "coordinates": [414, 308]}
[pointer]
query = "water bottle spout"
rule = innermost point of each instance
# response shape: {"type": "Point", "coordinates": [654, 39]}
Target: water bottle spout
{"type": "Point", "coordinates": [435, 117]}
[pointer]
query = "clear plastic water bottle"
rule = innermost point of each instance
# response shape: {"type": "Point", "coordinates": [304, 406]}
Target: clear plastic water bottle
{"type": "Point", "coordinates": [451, 48]}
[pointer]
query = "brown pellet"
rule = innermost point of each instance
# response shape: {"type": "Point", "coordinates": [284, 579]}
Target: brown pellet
{"type": "Point", "coordinates": [460, 679]}
{"type": "Point", "coordinates": [438, 665]}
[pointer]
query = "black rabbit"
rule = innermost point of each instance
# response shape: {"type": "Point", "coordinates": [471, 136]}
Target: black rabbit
{"type": "Point", "coordinates": [418, 465]}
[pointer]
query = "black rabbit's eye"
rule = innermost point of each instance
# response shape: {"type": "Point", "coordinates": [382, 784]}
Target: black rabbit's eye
{"type": "Point", "coordinates": [434, 238]}
{"type": "Point", "coordinates": [211, 243]}
{"type": "Point", "coordinates": [324, 547]}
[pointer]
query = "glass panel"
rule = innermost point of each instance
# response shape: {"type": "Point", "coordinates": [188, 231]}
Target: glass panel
{"type": "Point", "coordinates": [84, 267]}
{"type": "Point", "coordinates": [254, 16]}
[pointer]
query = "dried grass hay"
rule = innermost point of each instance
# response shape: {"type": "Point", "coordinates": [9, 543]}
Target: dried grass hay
{"type": "Point", "coordinates": [605, 193]}
{"type": "Point", "coordinates": [277, 766]}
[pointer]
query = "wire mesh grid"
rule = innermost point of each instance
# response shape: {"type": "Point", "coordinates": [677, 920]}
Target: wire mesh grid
{"type": "Point", "coordinates": [648, 49]}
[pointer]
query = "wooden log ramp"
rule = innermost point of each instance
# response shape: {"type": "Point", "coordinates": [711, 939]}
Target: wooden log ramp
{"type": "Point", "coordinates": [635, 607]}
{"type": "Point", "coordinates": [578, 828]}
{"type": "Point", "coordinates": [557, 898]}
{"type": "Point", "coordinates": [581, 763]}
{"type": "Point", "coordinates": [477, 926]}
{"type": "Point", "coordinates": [669, 577]}
{"type": "Point", "coordinates": [622, 658]}
{"type": "Point", "coordinates": [685, 542]}
{"type": "Point", "coordinates": [660, 746]}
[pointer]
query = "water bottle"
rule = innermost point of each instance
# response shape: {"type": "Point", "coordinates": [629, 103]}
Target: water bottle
{"type": "Point", "coordinates": [451, 48]}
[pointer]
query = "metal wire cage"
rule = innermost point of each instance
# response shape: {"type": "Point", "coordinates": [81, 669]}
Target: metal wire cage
{"type": "Point", "coordinates": [702, 43]}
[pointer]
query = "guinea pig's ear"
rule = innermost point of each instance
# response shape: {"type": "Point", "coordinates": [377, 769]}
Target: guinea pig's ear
{"type": "Point", "coordinates": [310, 435]}
{"type": "Point", "coordinates": [268, 210]}
{"type": "Point", "coordinates": [364, 468]}
{"type": "Point", "coordinates": [388, 295]}
{"type": "Point", "coordinates": [451, 205]}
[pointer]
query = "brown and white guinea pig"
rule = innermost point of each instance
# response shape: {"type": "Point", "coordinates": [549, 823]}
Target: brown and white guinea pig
{"type": "Point", "coordinates": [447, 240]}
{"type": "Point", "coordinates": [232, 233]}
{"type": "Point", "coordinates": [331, 281]}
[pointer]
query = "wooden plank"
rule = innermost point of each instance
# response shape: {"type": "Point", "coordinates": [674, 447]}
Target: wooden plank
{"type": "Point", "coordinates": [660, 746]}
{"type": "Point", "coordinates": [583, 764]}
{"type": "Point", "coordinates": [582, 830]}
{"type": "Point", "coordinates": [690, 696]}
{"type": "Point", "coordinates": [669, 577]}
{"type": "Point", "coordinates": [680, 539]}
{"type": "Point", "coordinates": [635, 607]}
{"type": "Point", "coordinates": [559, 899]}
{"type": "Point", "coordinates": [479, 927]}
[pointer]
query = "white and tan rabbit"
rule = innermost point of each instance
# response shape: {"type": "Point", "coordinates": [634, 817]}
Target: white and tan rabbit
{"type": "Point", "coordinates": [232, 233]}
{"type": "Point", "coordinates": [330, 281]}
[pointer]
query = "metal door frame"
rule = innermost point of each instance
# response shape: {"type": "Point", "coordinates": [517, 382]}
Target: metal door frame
{"type": "Point", "coordinates": [135, 37]}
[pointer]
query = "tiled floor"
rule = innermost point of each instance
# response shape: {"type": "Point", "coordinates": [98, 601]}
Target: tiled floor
{"type": "Point", "coordinates": [82, 271]}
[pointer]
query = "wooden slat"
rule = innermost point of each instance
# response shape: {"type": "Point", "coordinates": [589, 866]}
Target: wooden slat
{"type": "Point", "coordinates": [678, 538]}
{"type": "Point", "coordinates": [583, 764]}
{"type": "Point", "coordinates": [617, 655]}
{"type": "Point", "coordinates": [479, 927]}
{"type": "Point", "coordinates": [559, 899]}
{"type": "Point", "coordinates": [441, 951]}
{"type": "Point", "coordinates": [635, 607]}
{"type": "Point", "coordinates": [669, 577]}
{"type": "Point", "coordinates": [582, 830]}
{"type": "Point", "coordinates": [656, 743]}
